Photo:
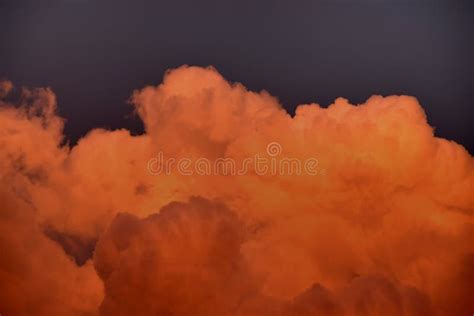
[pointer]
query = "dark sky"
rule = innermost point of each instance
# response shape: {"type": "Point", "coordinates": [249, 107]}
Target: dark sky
{"type": "Point", "coordinates": [94, 53]}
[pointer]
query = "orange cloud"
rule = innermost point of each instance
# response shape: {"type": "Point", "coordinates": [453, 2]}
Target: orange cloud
{"type": "Point", "coordinates": [384, 226]}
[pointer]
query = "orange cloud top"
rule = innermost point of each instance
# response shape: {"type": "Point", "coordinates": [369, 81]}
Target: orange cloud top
{"type": "Point", "coordinates": [384, 228]}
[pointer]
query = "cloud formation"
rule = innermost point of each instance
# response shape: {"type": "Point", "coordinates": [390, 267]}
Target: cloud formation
{"type": "Point", "coordinates": [87, 230]}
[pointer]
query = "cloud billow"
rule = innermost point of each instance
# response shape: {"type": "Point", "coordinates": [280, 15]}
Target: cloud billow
{"type": "Point", "coordinates": [87, 230]}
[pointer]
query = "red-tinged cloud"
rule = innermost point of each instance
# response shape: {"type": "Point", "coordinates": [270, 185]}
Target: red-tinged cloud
{"type": "Point", "coordinates": [383, 226]}
{"type": "Point", "coordinates": [5, 88]}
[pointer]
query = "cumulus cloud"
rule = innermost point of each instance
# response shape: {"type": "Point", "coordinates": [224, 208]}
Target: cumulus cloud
{"type": "Point", "coordinates": [5, 88]}
{"type": "Point", "coordinates": [87, 230]}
